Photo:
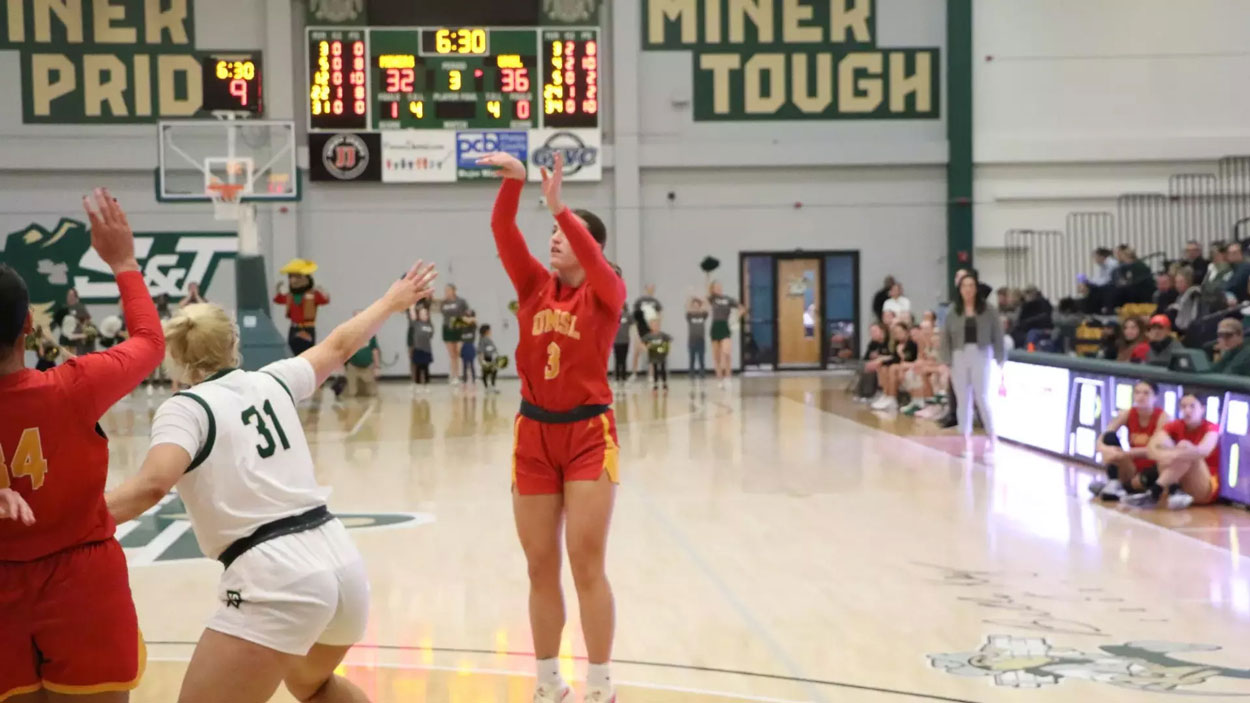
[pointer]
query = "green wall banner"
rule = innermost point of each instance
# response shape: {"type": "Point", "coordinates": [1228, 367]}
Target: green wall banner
{"type": "Point", "coordinates": [53, 261]}
{"type": "Point", "coordinates": [793, 60]}
{"type": "Point", "coordinates": [105, 61]}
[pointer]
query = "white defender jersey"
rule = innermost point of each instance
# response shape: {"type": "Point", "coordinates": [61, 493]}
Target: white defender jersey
{"type": "Point", "coordinates": [250, 462]}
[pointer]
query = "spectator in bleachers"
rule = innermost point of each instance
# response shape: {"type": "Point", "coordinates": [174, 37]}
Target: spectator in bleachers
{"type": "Point", "coordinates": [1102, 280]}
{"type": "Point", "coordinates": [1008, 343]}
{"type": "Point", "coordinates": [1035, 320]}
{"type": "Point", "coordinates": [1234, 355]}
{"type": "Point", "coordinates": [1161, 346]}
{"type": "Point", "coordinates": [1130, 470]}
{"type": "Point", "coordinates": [1240, 279]}
{"type": "Point", "coordinates": [902, 349]}
{"type": "Point", "coordinates": [866, 386]}
{"type": "Point", "coordinates": [1188, 305]}
{"type": "Point", "coordinates": [1067, 318]}
{"type": "Point", "coordinates": [1165, 293]}
{"type": "Point", "coordinates": [1187, 451]}
{"type": "Point", "coordinates": [897, 303]}
{"type": "Point", "coordinates": [1131, 339]}
{"type": "Point", "coordinates": [1215, 283]}
{"type": "Point", "coordinates": [1133, 281]}
{"type": "Point", "coordinates": [929, 317]}
{"type": "Point", "coordinates": [878, 300]}
{"type": "Point", "coordinates": [1193, 259]}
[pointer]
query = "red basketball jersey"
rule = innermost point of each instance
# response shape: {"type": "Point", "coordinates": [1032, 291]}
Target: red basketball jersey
{"type": "Point", "coordinates": [566, 333]}
{"type": "Point", "coordinates": [1139, 435]}
{"type": "Point", "coordinates": [53, 452]}
{"type": "Point", "coordinates": [1178, 430]}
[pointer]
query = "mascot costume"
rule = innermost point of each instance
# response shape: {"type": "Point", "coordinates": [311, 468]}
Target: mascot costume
{"type": "Point", "coordinates": [301, 303]}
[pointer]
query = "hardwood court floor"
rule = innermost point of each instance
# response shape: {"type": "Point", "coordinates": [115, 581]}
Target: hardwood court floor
{"type": "Point", "coordinates": [771, 543]}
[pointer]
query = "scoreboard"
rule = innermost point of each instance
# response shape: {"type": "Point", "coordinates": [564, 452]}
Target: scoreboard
{"type": "Point", "coordinates": [465, 88]}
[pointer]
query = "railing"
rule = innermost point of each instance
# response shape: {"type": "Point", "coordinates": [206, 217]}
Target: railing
{"type": "Point", "coordinates": [1198, 206]}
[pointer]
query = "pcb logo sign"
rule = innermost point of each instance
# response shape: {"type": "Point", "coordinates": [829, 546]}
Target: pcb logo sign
{"type": "Point", "coordinates": [471, 146]}
{"type": "Point", "coordinates": [581, 149]}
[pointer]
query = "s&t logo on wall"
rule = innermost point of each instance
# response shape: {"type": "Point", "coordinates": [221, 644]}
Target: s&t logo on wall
{"type": "Point", "coordinates": [581, 149]}
{"type": "Point", "coordinates": [471, 146]}
{"type": "Point", "coordinates": [345, 156]}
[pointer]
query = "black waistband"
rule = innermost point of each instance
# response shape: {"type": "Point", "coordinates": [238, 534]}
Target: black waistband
{"type": "Point", "coordinates": [303, 522]}
{"type": "Point", "coordinates": [581, 412]}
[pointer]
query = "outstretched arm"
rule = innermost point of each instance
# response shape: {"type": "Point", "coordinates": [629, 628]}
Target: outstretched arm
{"type": "Point", "coordinates": [600, 275]}
{"type": "Point", "coordinates": [100, 380]}
{"type": "Point", "coordinates": [329, 356]}
{"type": "Point", "coordinates": [526, 272]}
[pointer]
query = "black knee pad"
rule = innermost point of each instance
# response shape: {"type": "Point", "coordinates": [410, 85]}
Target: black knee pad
{"type": "Point", "coordinates": [1149, 476]}
{"type": "Point", "coordinates": [1110, 439]}
{"type": "Point", "coordinates": [1113, 472]}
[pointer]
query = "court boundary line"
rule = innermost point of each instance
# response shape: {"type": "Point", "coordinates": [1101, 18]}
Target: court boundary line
{"type": "Point", "coordinates": [626, 662]}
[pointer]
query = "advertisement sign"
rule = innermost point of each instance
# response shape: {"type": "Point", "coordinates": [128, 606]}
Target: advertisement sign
{"type": "Point", "coordinates": [418, 156]}
{"type": "Point", "coordinates": [1234, 444]}
{"type": "Point", "coordinates": [1034, 410]}
{"type": "Point", "coordinates": [471, 146]}
{"type": "Point", "coordinates": [345, 156]}
{"type": "Point", "coordinates": [581, 148]}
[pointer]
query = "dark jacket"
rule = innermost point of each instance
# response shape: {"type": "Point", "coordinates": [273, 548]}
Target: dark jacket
{"type": "Point", "coordinates": [878, 301]}
{"type": "Point", "coordinates": [1160, 354]}
{"type": "Point", "coordinates": [1234, 362]}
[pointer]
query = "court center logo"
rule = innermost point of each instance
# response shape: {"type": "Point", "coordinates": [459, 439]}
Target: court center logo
{"type": "Point", "coordinates": [1032, 662]}
{"type": "Point", "coordinates": [164, 534]}
{"type": "Point", "coordinates": [52, 261]}
{"type": "Point", "coordinates": [345, 156]}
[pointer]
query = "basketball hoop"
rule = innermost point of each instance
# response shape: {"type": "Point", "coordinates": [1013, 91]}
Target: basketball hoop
{"type": "Point", "coordinates": [225, 198]}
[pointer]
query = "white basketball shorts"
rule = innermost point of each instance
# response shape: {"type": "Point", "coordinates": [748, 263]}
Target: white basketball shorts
{"type": "Point", "coordinates": [295, 591]}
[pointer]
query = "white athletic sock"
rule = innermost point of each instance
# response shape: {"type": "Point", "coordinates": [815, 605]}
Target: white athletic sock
{"type": "Point", "coordinates": [598, 676]}
{"type": "Point", "coordinates": [549, 671]}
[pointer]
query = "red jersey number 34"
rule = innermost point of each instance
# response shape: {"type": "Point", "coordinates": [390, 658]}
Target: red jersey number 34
{"type": "Point", "coordinates": [27, 460]}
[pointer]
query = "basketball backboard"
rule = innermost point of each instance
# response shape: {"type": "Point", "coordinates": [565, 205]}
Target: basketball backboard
{"type": "Point", "coordinates": [196, 155]}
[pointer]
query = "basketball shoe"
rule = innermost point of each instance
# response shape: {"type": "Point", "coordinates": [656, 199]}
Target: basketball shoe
{"type": "Point", "coordinates": [600, 695]}
{"type": "Point", "coordinates": [553, 693]}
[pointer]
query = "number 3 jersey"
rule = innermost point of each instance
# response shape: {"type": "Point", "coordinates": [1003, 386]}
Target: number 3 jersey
{"type": "Point", "coordinates": [566, 333]}
{"type": "Point", "coordinates": [250, 461]}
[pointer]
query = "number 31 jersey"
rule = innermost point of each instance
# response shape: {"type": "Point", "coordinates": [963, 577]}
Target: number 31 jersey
{"type": "Point", "coordinates": [250, 461]}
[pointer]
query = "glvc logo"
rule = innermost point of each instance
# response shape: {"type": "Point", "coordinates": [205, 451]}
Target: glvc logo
{"type": "Point", "coordinates": [576, 154]}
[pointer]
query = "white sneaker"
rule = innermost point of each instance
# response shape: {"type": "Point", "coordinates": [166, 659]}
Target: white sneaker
{"type": "Point", "coordinates": [1141, 500]}
{"type": "Point", "coordinates": [549, 693]}
{"type": "Point", "coordinates": [600, 695]}
{"type": "Point", "coordinates": [1180, 500]}
{"type": "Point", "coordinates": [885, 402]}
{"type": "Point", "coordinates": [1114, 490]}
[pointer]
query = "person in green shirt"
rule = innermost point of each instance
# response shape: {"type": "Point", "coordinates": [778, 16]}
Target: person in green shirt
{"type": "Point", "coordinates": [1234, 355]}
{"type": "Point", "coordinates": [362, 370]}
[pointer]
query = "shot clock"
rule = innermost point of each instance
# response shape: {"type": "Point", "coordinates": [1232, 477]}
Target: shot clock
{"type": "Point", "coordinates": [232, 83]}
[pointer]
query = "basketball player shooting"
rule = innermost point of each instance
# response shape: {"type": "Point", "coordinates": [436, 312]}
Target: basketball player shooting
{"type": "Point", "coordinates": [565, 456]}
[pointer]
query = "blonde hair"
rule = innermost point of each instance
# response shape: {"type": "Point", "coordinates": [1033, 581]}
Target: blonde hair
{"type": "Point", "coordinates": [200, 341]}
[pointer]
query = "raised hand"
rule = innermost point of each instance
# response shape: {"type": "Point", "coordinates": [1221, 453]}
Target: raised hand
{"type": "Point", "coordinates": [552, 182]}
{"type": "Point", "coordinates": [417, 284]}
{"type": "Point", "coordinates": [505, 165]}
{"type": "Point", "coordinates": [14, 507]}
{"type": "Point", "coordinates": [111, 236]}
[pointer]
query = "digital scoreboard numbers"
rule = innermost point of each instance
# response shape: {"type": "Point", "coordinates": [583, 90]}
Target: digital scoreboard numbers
{"type": "Point", "coordinates": [232, 83]}
{"type": "Point", "coordinates": [454, 78]}
{"type": "Point", "coordinates": [570, 78]}
{"type": "Point", "coordinates": [338, 71]}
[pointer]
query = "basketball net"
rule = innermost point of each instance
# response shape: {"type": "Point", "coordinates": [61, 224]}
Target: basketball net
{"type": "Point", "coordinates": [227, 208]}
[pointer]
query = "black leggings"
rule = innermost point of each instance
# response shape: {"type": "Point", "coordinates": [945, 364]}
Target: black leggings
{"type": "Point", "coordinates": [488, 377]}
{"type": "Point", "coordinates": [422, 375]}
{"type": "Point", "coordinates": [620, 355]}
{"type": "Point", "coordinates": [661, 371]}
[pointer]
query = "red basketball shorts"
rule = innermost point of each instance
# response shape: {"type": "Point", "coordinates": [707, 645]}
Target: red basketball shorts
{"type": "Point", "coordinates": [68, 625]}
{"type": "Point", "coordinates": [544, 455]}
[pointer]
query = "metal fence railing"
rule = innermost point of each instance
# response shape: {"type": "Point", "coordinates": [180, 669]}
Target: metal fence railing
{"type": "Point", "coordinates": [1197, 206]}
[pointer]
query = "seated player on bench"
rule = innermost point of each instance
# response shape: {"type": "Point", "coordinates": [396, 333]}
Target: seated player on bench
{"type": "Point", "coordinates": [1187, 451]}
{"type": "Point", "coordinates": [1130, 470]}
